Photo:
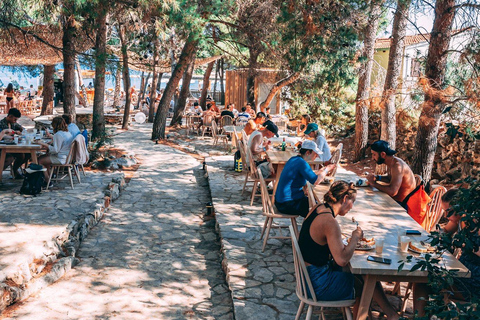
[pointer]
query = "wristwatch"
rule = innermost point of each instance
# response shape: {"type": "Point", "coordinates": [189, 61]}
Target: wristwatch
{"type": "Point", "coordinates": [378, 178]}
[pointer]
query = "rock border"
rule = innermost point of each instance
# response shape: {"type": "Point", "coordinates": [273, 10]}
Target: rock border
{"type": "Point", "coordinates": [58, 254]}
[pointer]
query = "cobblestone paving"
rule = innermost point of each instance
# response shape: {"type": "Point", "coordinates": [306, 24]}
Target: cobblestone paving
{"type": "Point", "coordinates": [153, 256]}
{"type": "Point", "coordinates": [28, 222]}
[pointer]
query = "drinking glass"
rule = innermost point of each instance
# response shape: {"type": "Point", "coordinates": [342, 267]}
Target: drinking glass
{"type": "Point", "coordinates": [379, 245]}
{"type": "Point", "coordinates": [404, 242]}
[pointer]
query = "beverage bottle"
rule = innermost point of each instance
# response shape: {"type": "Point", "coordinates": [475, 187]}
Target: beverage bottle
{"type": "Point", "coordinates": [283, 145]}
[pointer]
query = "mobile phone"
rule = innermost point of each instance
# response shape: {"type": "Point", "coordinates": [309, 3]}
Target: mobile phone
{"type": "Point", "coordinates": [379, 259]}
{"type": "Point", "coordinates": [413, 232]}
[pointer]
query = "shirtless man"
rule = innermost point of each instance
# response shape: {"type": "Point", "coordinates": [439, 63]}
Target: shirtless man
{"type": "Point", "coordinates": [400, 181]}
{"type": "Point", "coordinates": [254, 124]}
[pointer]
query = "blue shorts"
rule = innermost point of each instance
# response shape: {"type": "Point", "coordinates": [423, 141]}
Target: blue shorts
{"type": "Point", "coordinates": [330, 283]}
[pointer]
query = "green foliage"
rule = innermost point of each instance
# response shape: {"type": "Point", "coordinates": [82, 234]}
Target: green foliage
{"type": "Point", "coordinates": [440, 280]}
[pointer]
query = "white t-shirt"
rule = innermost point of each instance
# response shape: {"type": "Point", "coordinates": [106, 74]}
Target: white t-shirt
{"type": "Point", "coordinates": [62, 140]}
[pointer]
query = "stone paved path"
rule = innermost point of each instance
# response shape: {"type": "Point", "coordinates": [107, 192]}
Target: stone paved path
{"type": "Point", "coordinates": [152, 257]}
{"type": "Point", "coordinates": [28, 223]}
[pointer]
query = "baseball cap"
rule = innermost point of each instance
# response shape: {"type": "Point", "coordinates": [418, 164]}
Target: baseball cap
{"type": "Point", "coordinates": [382, 146]}
{"type": "Point", "coordinates": [311, 145]}
{"type": "Point", "coordinates": [269, 125]}
{"type": "Point", "coordinates": [311, 127]}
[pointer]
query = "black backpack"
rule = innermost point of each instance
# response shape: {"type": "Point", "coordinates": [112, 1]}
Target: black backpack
{"type": "Point", "coordinates": [33, 183]}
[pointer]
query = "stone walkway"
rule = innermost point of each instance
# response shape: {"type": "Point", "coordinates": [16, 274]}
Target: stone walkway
{"type": "Point", "coordinates": [152, 257]}
{"type": "Point", "coordinates": [32, 229]}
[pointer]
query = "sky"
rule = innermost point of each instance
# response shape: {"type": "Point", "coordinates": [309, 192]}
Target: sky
{"type": "Point", "coordinates": [422, 21]}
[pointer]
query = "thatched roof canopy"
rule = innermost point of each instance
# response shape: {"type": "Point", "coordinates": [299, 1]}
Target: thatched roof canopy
{"type": "Point", "coordinates": [39, 45]}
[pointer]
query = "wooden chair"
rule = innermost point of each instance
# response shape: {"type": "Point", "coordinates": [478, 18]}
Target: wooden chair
{"type": "Point", "coordinates": [313, 198]}
{"type": "Point", "coordinates": [254, 175]}
{"type": "Point", "coordinates": [194, 123]}
{"type": "Point", "coordinates": [226, 121]}
{"type": "Point", "coordinates": [270, 212]}
{"type": "Point", "coordinates": [246, 165]}
{"type": "Point", "coordinates": [216, 136]}
{"type": "Point", "coordinates": [335, 159]}
{"type": "Point", "coordinates": [244, 137]}
{"type": "Point", "coordinates": [69, 166]}
{"type": "Point", "coordinates": [435, 211]}
{"type": "Point", "coordinates": [303, 282]}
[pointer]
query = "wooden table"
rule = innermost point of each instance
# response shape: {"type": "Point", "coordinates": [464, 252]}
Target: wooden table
{"type": "Point", "coordinates": [278, 159]}
{"type": "Point", "coordinates": [20, 148]}
{"type": "Point", "coordinates": [379, 216]}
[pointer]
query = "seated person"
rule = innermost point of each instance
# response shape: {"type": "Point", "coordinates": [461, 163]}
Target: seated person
{"type": "Point", "coordinates": [321, 245]}
{"type": "Point", "coordinates": [10, 122]}
{"type": "Point", "coordinates": [303, 124]}
{"type": "Point", "coordinates": [254, 124]}
{"type": "Point", "coordinates": [214, 107]}
{"type": "Point", "coordinates": [289, 197]}
{"type": "Point", "coordinates": [399, 182]}
{"type": "Point", "coordinates": [257, 145]}
{"type": "Point", "coordinates": [234, 110]}
{"type": "Point", "coordinates": [207, 116]}
{"type": "Point", "coordinates": [244, 113]}
{"type": "Point", "coordinates": [9, 158]}
{"type": "Point", "coordinates": [312, 131]}
{"type": "Point", "coordinates": [72, 127]}
{"type": "Point", "coordinates": [228, 112]}
{"type": "Point", "coordinates": [59, 149]}
{"type": "Point", "coordinates": [250, 110]}
{"type": "Point", "coordinates": [196, 109]}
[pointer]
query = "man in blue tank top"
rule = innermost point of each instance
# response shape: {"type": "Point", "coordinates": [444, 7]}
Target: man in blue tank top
{"type": "Point", "coordinates": [289, 197]}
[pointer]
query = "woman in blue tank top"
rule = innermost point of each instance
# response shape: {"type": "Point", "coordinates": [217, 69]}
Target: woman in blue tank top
{"type": "Point", "coordinates": [321, 244]}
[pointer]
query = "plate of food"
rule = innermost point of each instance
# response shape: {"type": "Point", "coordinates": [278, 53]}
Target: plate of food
{"type": "Point", "coordinates": [421, 247]}
{"type": "Point", "coordinates": [365, 244]}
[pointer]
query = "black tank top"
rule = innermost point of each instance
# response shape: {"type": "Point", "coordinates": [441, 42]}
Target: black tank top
{"type": "Point", "coordinates": [312, 252]}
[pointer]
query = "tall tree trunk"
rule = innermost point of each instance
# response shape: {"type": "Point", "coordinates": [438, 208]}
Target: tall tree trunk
{"type": "Point", "coordinates": [395, 58]}
{"type": "Point", "coordinates": [48, 90]}
{"type": "Point", "coordinates": [126, 78]}
{"type": "Point", "coordinates": [251, 75]}
{"type": "Point", "coordinates": [153, 92]}
{"type": "Point", "coordinates": [69, 67]}
{"type": "Point", "coordinates": [217, 68]}
{"type": "Point", "coordinates": [222, 89]}
{"type": "Point", "coordinates": [83, 97]}
{"type": "Point", "coordinates": [184, 93]}
{"type": "Point", "coordinates": [363, 92]}
{"type": "Point", "coordinates": [118, 79]}
{"type": "Point", "coordinates": [159, 82]}
{"type": "Point", "coordinates": [434, 104]}
{"type": "Point", "coordinates": [206, 84]}
{"type": "Point", "coordinates": [144, 89]}
{"type": "Point", "coordinates": [277, 87]}
{"type": "Point", "coordinates": [185, 57]}
{"type": "Point", "coordinates": [98, 117]}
